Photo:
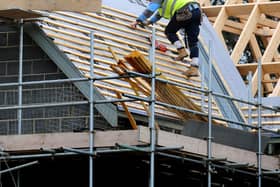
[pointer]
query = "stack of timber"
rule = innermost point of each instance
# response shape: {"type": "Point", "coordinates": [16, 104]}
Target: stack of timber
{"type": "Point", "coordinates": [166, 92]}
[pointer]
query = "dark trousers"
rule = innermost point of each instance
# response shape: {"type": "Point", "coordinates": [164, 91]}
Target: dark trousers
{"type": "Point", "coordinates": [191, 27]}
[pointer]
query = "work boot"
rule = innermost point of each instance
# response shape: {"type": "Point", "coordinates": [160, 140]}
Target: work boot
{"type": "Point", "coordinates": [182, 54]}
{"type": "Point", "coordinates": [191, 72]}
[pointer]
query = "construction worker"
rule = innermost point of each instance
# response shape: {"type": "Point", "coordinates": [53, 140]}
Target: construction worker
{"type": "Point", "coordinates": [183, 14]}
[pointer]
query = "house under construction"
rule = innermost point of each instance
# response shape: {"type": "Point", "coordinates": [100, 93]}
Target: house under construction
{"type": "Point", "coordinates": [87, 101]}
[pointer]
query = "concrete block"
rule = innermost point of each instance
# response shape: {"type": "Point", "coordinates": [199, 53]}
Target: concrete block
{"type": "Point", "coordinates": [27, 127]}
{"type": "Point", "coordinates": [11, 97]}
{"type": "Point", "coordinates": [47, 126]}
{"type": "Point", "coordinates": [12, 127]}
{"type": "Point", "coordinates": [2, 98]}
{"type": "Point", "coordinates": [44, 67]}
{"type": "Point", "coordinates": [12, 68]}
{"type": "Point", "coordinates": [3, 39]}
{"type": "Point", "coordinates": [26, 96]}
{"type": "Point", "coordinates": [3, 127]}
{"type": "Point", "coordinates": [13, 38]}
{"type": "Point", "coordinates": [57, 112]}
{"type": "Point", "coordinates": [32, 52]}
{"type": "Point", "coordinates": [3, 69]}
{"type": "Point", "coordinates": [9, 53]}
{"type": "Point", "coordinates": [33, 113]}
{"type": "Point", "coordinates": [73, 124]}
{"type": "Point", "coordinates": [7, 28]}
{"type": "Point", "coordinates": [33, 78]}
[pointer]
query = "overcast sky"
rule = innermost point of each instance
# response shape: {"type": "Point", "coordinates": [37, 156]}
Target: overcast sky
{"type": "Point", "coordinates": [130, 6]}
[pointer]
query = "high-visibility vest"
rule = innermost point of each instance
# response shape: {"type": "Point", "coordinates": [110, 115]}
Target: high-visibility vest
{"type": "Point", "coordinates": [169, 7]}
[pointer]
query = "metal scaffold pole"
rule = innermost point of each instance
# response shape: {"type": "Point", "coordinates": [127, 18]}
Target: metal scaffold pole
{"type": "Point", "coordinates": [152, 111]}
{"type": "Point", "coordinates": [250, 98]}
{"type": "Point", "coordinates": [20, 67]}
{"type": "Point", "coordinates": [91, 118]}
{"type": "Point", "coordinates": [203, 86]}
{"type": "Point", "coordinates": [259, 154]}
{"type": "Point", "coordinates": [19, 110]}
{"type": "Point", "coordinates": [209, 139]}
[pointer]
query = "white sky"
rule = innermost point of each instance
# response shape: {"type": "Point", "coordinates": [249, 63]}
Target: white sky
{"type": "Point", "coordinates": [125, 5]}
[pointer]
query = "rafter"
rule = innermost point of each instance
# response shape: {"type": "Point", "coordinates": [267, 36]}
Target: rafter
{"type": "Point", "coordinates": [249, 28]}
{"type": "Point", "coordinates": [267, 56]}
{"type": "Point", "coordinates": [276, 91]}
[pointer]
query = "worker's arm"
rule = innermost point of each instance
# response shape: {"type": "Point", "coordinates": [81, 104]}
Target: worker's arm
{"type": "Point", "coordinates": [152, 7]}
{"type": "Point", "coordinates": [155, 18]}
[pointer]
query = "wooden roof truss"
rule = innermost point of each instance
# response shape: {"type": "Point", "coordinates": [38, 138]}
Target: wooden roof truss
{"type": "Point", "coordinates": [256, 28]}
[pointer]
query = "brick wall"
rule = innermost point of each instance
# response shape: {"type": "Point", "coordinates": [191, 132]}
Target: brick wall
{"type": "Point", "coordinates": [36, 66]}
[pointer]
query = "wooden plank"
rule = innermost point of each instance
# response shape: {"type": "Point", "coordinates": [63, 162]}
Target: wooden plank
{"type": "Point", "coordinates": [255, 47]}
{"type": "Point", "coordinates": [239, 9]}
{"type": "Point", "coordinates": [74, 28]}
{"type": "Point", "coordinates": [270, 7]}
{"type": "Point", "coordinates": [265, 22]}
{"type": "Point", "coordinates": [19, 14]}
{"type": "Point", "coordinates": [268, 67]}
{"type": "Point", "coordinates": [270, 81]}
{"type": "Point", "coordinates": [197, 146]}
{"type": "Point", "coordinates": [220, 22]}
{"type": "Point", "coordinates": [105, 27]}
{"type": "Point", "coordinates": [66, 5]}
{"type": "Point", "coordinates": [276, 91]}
{"type": "Point", "coordinates": [232, 10]}
{"type": "Point", "coordinates": [86, 50]}
{"type": "Point", "coordinates": [268, 87]}
{"type": "Point", "coordinates": [272, 115]}
{"type": "Point", "coordinates": [101, 35]}
{"type": "Point", "coordinates": [166, 93]}
{"type": "Point", "coordinates": [272, 46]}
{"type": "Point", "coordinates": [129, 115]}
{"type": "Point", "coordinates": [268, 123]}
{"type": "Point", "coordinates": [249, 28]}
{"type": "Point", "coordinates": [74, 140]}
{"type": "Point", "coordinates": [212, 11]}
{"type": "Point", "coordinates": [128, 14]}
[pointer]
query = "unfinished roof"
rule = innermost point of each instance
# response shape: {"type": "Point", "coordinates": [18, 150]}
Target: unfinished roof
{"type": "Point", "coordinates": [70, 32]}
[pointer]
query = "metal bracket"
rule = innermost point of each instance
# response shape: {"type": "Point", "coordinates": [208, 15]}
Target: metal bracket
{"type": "Point", "coordinates": [83, 152]}
{"type": "Point", "coordinates": [274, 172]}
{"type": "Point", "coordinates": [236, 165]}
{"type": "Point", "coordinates": [147, 149]}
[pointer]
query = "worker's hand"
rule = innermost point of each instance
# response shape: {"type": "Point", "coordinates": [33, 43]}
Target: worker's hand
{"type": "Point", "coordinates": [141, 24]}
{"type": "Point", "coordinates": [147, 23]}
{"type": "Point", "coordinates": [134, 24]}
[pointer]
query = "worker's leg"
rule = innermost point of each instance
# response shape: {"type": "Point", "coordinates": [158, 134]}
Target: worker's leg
{"type": "Point", "coordinates": [192, 29]}
{"type": "Point", "coordinates": [170, 32]}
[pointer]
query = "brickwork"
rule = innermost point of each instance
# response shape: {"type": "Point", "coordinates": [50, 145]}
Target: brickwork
{"type": "Point", "coordinates": [36, 66]}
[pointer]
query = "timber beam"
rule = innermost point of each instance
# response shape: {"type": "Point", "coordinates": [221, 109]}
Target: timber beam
{"type": "Point", "coordinates": [141, 136]}
{"type": "Point", "coordinates": [66, 5]}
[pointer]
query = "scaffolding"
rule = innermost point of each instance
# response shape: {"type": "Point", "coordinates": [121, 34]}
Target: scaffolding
{"type": "Point", "coordinates": [152, 150]}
